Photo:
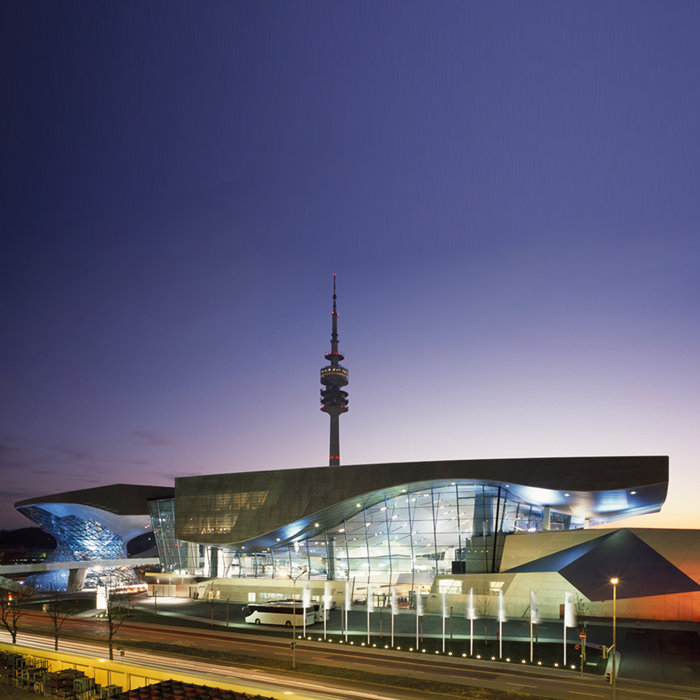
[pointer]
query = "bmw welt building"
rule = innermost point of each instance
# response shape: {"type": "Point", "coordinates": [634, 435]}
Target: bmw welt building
{"type": "Point", "coordinates": [433, 528]}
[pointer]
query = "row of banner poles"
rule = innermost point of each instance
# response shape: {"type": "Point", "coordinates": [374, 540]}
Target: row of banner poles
{"type": "Point", "coordinates": [569, 615]}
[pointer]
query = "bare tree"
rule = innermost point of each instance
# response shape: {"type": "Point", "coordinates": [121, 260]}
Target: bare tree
{"type": "Point", "coordinates": [119, 608]}
{"type": "Point", "coordinates": [12, 599]}
{"type": "Point", "coordinates": [581, 607]}
{"type": "Point", "coordinates": [212, 600]}
{"type": "Point", "coordinates": [58, 609]}
{"type": "Point", "coordinates": [483, 610]}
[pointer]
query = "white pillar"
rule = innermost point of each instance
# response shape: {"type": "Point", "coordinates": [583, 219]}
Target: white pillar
{"type": "Point", "coordinates": [547, 518]}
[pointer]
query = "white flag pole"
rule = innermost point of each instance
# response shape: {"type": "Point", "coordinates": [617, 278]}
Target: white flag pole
{"type": "Point", "coordinates": [501, 620]}
{"type": "Point", "coordinates": [370, 607]}
{"type": "Point", "coordinates": [419, 613]}
{"type": "Point", "coordinates": [393, 612]}
{"type": "Point", "coordinates": [534, 619]}
{"type": "Point", "coordinates": [347, 607]}
{"type": "Point", "coordinates": [305, 603]}
{"type": "Point", "coordinates": [472, 614]}
{"type": "Point", "coordinates": [326, 604]}
{"type": "Point", "coordinates": [569, 617]}
{"type": "Point", "coordinates": [444, 608]}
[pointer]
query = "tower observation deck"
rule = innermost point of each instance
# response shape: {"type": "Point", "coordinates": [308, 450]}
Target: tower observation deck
{"type": "Point", "coordinates": [334, 377]}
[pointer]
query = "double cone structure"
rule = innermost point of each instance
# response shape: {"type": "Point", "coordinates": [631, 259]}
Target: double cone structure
{"type": "Point", "coordinates": [334, 377]}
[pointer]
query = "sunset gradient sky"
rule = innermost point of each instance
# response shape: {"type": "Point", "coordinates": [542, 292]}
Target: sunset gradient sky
{"type": "Point", "coordinates": [509, 193]}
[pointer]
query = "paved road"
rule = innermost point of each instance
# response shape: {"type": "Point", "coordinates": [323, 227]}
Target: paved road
{"type": "Point", "coordinates": [535, 681]}
{"type": "Point", "coordinates": [660, 652]}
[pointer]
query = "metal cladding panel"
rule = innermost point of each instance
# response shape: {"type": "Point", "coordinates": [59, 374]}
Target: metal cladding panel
{"type": "Point", "coordinates": [234, 508]}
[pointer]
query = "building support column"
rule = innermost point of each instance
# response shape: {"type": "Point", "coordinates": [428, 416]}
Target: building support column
{"type": "Point", "coordinates": [76, 579]}
{"type": "Point", "coordinates": [547, 518]}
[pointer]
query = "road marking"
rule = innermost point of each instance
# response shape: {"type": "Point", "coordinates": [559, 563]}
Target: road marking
{"type": "Point", "coordinates": [578, 692]}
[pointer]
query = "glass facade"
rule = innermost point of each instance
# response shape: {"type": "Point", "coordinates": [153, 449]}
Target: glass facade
{"type": "Point", "coordinates": [81, 537]}
{"type": "Point", "coordinates": [78, 538]}
{"type": "Point", "coordinates": [445, 529]}
{"type": "Point", "coordinates": [174, 554]}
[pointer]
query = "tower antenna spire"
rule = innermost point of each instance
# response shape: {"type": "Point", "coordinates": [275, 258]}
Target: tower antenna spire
{"type": "Point", "coordinates": [334, 377]}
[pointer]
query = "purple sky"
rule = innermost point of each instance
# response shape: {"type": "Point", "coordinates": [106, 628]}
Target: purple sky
{"type": "Point", "coordinates": [509, 193]}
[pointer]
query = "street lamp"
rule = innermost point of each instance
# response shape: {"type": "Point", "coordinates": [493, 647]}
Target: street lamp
{"type": "Point", "coordinates": [294, 616]}
{"type": "Point", "coordinates": [614, 582]}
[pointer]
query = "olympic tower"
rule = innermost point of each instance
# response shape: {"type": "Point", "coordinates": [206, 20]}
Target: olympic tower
{"type": "Point", "coordinates": [334, 377]}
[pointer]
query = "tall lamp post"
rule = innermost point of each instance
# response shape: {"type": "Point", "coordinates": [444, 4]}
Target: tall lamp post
{"type": "Point", "coordinates": [294, 616]}
{"type": "Point", "coordinates": [614, 582]}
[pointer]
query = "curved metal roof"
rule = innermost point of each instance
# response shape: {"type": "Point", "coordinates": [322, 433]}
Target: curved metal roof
{"type": "Point", "coordinates": [120, 499]}
{"type": "Point", "coordinates": [254, 509]}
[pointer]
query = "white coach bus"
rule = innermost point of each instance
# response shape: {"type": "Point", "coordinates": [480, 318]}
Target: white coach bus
{"type": "Point", "coordinates": [278, 614]}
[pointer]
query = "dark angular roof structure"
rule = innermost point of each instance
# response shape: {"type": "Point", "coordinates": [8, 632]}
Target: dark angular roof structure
{"type": "Point", "coordinates": [642, 571]}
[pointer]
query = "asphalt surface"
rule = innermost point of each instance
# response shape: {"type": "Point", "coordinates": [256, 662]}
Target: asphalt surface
{"type": "Point", "coordinates": [665, 659]}
{"type": "Point", "coordinates": [658, 652]}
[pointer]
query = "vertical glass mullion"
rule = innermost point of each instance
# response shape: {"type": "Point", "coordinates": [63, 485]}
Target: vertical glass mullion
{"type": "Point", "coordinates": [459, 523]}
{"type": "Point", "coordinates": [435, 547]}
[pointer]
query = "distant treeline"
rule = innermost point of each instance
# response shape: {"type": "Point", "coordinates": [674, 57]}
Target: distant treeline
{"type": "Point", "coordinates": [26, 538]}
